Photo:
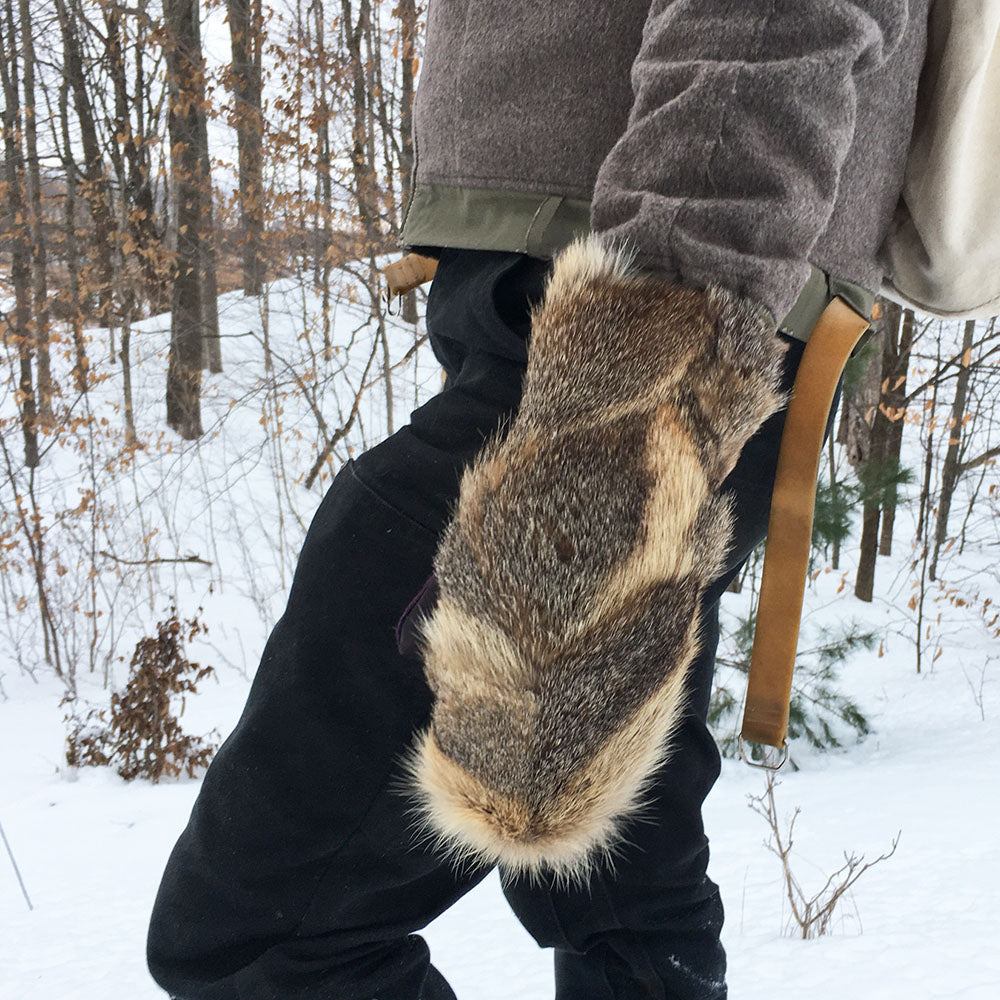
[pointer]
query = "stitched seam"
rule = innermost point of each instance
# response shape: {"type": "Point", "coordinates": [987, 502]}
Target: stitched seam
{"type": "Point", "coordinates": [531, 225]}
{"type": "Point", "coordinates": [518, 185]}
{"type": "Point", "coordinates": [385, 503]}
{"type": "Point", "coordinates": [332, 857]}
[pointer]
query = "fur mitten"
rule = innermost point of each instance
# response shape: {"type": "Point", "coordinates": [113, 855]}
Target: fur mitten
{"type": "Point", "coordinates": [570, 576]}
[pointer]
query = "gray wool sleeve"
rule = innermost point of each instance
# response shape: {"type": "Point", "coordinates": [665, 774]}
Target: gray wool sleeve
{"type": "Point", "coordinates": [743, 114]}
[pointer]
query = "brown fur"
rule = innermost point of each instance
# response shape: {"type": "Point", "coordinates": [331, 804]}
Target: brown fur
{"type": "Point", "coordinates": [571, 575]}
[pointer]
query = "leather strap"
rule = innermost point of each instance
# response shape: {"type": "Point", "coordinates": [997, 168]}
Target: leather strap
{"type": "Point", "coordinates": [789, 533]}
{"type": "Point", "coordinates": [407, 273]}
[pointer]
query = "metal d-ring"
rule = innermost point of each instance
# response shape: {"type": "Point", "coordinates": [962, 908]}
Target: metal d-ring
{"type": "Point", "coordinates": [765, 764]}
{"type": "Point", "coordinates": [388, 297]}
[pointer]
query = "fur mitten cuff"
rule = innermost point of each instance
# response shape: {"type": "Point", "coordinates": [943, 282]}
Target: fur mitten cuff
{"type": "Point", "coordinates": [571, 574]}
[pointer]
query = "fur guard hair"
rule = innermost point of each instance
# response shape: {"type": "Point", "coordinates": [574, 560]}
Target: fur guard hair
{"type": "Point", "coordinates": [571, 574]}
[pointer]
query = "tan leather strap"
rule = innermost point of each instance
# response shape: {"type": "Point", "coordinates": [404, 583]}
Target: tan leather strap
{"type": "Point", "coordinates": [789, 533]}
{"type": "Point", "coordinates": [407, 273]}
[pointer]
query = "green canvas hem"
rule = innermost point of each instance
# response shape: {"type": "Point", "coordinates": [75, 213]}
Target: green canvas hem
{"type": "Point", "coordinates": [540, 225]}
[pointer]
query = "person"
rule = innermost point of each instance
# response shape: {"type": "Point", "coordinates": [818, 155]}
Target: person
{"type": "Point", "coordinates": [756, 147]}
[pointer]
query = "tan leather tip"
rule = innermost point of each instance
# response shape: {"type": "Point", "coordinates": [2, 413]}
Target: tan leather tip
{"type": "Point", "coordinates": [408, 272]}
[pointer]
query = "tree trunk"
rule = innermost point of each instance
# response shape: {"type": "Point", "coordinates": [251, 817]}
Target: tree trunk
{"type": "Point", "coordinates": [96, 279]}
{"type": "Point", "coordinates": [184, 67]}
{"type": "Point", "coordinates": [246, 31]}
{"type": "Point", "coordinates": [131, 439]}
{"type": "Point", "coordinates": [148, 234]}
{"type": "Point", "coordinates": [924, 516]}
{"type": "Point", "coordinates": [133, 169]}
{"type": "Point", "coordinates": [20, 268]}
{"type": "Point", "coordinates": [871, 469]}
{"type": "Point", "coordinates": [212, 346]}
{"type": "Point", "coordinates": [950, 470]}
{"type": "Point", "coordinates": [864, 582]}
{"type": "Point", "coordinates": [323, 263]}
{"type": "Point", "coordinates": [124, 281]}
{"type": "Point", "coordinates": [81, 363]}
{"type": "Point", "coordinates": [834, 491]}
{"type": "Point", "coordinates": [365, 183]}
{"type": "Point", "coordinates": [407, 10]}
{"type": "Point", "coordinates": [894, 401]}
{"type": "Point", "coordinates": [39, 264]}
{"type": "Point", "coordinates": [923, 519]}
{"type": "Point", "coordinates": [859, 405]}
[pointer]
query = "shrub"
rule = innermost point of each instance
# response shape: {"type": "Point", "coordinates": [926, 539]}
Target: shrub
{"type": "Point", "coordinates": [818, 713]}
{"type": "Point", "coordinates": [811, 915]}
{"type": "Point", "coordinates": [140, 735]}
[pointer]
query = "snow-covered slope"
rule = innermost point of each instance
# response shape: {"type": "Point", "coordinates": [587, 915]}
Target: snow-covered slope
{"type": "Point", "coordinates": [919, 926]}
{"type": "Point", "coordinates": [91, 848]}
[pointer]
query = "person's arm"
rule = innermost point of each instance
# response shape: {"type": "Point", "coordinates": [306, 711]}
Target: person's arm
{"type": "Point", "coordinates": [744, 112]}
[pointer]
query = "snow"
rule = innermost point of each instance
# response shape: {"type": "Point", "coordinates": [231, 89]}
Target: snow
{"type": "Point", "coordinates": [920, 925]}
{"type": "Point", "coordinates": [91, 848]}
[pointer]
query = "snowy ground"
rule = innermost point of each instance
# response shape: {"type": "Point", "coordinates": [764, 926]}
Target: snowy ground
{"type": "Point", "coordinates": [91, 848]}
{"type": "Point", "coordinates": [919, 926]}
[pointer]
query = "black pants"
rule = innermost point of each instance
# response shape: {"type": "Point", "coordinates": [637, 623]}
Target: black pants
{"type": "Point", "coordinates": [298, 876]}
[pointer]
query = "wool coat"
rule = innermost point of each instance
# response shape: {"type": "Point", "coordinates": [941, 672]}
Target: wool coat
{"type": "Point", "coordinates": [720, 140]}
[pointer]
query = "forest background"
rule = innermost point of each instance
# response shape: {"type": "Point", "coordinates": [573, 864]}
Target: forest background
{"type": "Point", "coordinates": [162, 162]}
{"type": "Point", "coordinates": [196, 200]}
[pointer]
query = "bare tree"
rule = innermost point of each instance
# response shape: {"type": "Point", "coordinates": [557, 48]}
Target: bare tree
{"type": "Point", "coordinates": [20, 330]}
{"type": "Point", "coordinates": [130, 156]}
{"type": "Point", "coordinates": [39, 283]}
{"type": "Point", "coordinates": [951, 469]}
{"type": "Point", "coordinates": [211, 344]}
{"type": "Point", "coordinates": [811, 915]}
{"type": "Point", "coordinates": [899, 343]}
{"type": "Point", "coordinates": [74, 295]}
{"type": "Point", "coordinates": [872, 440]}
{"type": "Point", "coordinates": [185, 80]}
{"type": "Point", "coordinates": [246, 34]}
{"type": "Point", "coordinates": [366, 184]}
{"type": "Point", "coordinates": [94, 186]}
{"type": "Point", "coordinates": [407, 10]}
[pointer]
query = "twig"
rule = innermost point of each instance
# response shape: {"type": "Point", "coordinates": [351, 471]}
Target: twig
{"type": "Point", "coordinates": [157, 559]}
{"type": "Point", "coordinates": [814, 914]}
{"type": "Point", "coordinates": [977, 693]}
{"type": "Point", "coordinates": [17, 871]}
